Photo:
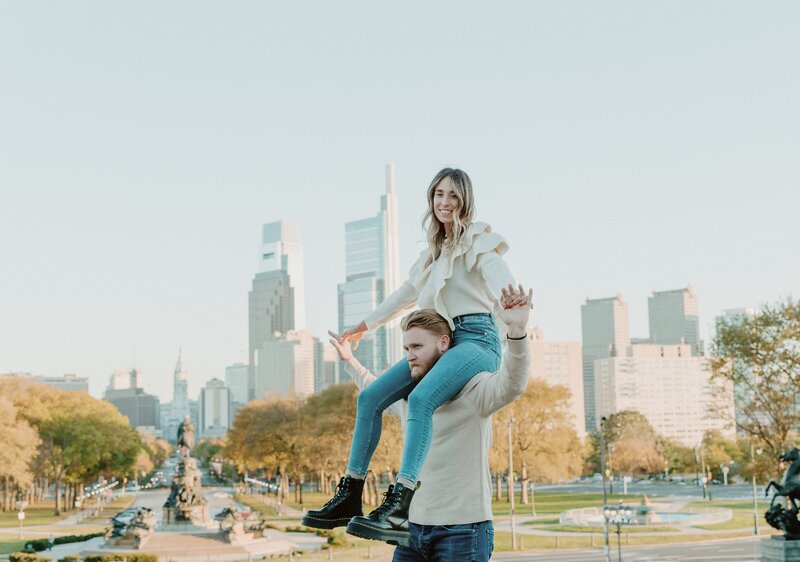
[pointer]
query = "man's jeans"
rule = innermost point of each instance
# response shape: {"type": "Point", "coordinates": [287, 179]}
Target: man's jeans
{"type": "Point", "coordinates": [475, 348]}
{"type": "Point", "coordinates": [472, 542]}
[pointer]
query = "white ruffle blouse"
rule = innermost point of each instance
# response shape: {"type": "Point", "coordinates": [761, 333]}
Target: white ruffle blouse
{"type": "Point", "coordinates": [467, 281]}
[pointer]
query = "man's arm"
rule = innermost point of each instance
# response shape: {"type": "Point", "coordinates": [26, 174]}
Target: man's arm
{"type": "Point", "coordinates": [508, 384]}
{"type": "Point", "coordinates": [358, 372]}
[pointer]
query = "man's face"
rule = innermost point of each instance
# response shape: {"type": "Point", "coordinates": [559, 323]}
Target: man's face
{"type": "Point", "coordinates": [424, 349]}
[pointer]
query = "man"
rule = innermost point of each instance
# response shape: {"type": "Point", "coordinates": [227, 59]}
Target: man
{"type": "Point", "coordinates": [450, 516]}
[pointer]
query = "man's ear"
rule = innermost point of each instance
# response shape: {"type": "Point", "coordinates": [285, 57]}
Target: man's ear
{"type": "Point", "coordinates": [444, 343]}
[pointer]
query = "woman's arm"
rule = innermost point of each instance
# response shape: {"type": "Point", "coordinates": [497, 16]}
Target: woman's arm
{"type": "Point", "coordinates": [392, 306]}
{"type": "Point", "coordinates": [495, 272]}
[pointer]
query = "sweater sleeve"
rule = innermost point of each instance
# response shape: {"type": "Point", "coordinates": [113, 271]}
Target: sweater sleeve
{"type": "Point", "coordinates": [495, 272]}
{"type": "Point", "coordinates": [363, 378]}
{"type": "Point", "coordinates": [392, 306]}
{"type": "Point", "coordinates": [402, 299]}
{"type": "Point", "coordinates": [507, 384]}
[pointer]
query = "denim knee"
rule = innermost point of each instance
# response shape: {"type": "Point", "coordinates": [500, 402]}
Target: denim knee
{"type": "Point", "coordinates": [420, 404]}
{"type": "Point", "coordinates": [367, 403]}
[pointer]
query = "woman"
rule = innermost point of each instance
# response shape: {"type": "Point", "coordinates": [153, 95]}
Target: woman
{"type": "Point", "coordinates": [461, 274]}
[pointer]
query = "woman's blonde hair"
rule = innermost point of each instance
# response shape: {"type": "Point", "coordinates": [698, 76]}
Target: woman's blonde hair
{"type": "Point", "coordinates": [437, 242]}
{"type": "Point", "coordinates": [427, 319]}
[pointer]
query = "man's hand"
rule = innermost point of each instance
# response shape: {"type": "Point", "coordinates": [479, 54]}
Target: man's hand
{"type": "Point", "coordinates": [344, 349]}
{"type": "Point", "coordinates": [515, 309]}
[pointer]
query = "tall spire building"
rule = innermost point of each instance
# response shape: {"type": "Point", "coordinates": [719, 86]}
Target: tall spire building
{"type": "Point", "coordinates": [281, 358]}
{"type": "Point", "coordinates": [371, 268]}
{"type": "Point", "coordinates": [173, 413]}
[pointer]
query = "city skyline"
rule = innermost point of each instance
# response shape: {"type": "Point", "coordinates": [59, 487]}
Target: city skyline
{"type": "Point", "coordinates": [619, 148]}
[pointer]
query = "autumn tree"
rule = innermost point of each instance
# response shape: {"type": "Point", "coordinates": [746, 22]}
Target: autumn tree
{"type": "Point", "coordinates": [546, 446]}
{"type": "Point", "coordinates": [760, 356]}
{"type": "Point", "coordinates": [19, 444]}
{"type": "Point", "coordinates": [632, 446]}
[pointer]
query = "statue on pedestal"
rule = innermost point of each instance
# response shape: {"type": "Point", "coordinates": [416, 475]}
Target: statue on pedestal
{"type": "Point", "coordinates": [786, 518]}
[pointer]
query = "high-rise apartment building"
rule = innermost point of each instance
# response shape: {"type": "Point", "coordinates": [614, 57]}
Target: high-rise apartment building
{"type": "Point", "coordinates": [125, 378]}
{"type": "Point", "coordinates": [236, 380]}
{"type": "Point", "coordinates": [560, 363]}
{"type": "Point", "coordinates": [605, 332]}
{"type": "Point", "coordinates": [215, 409]}
{"type": "Point", "coordinates": [674, 318]}
{"type": "Point", "coordinates": [286, 366]}
{"type": "Point", "coordinates": [276, 300]}
{"type": "Point", "coordinates": [126, 393]}
{"type": "Point", "coordinates": [669, 386]}
{"type": "Point", "coordinates": [371, 269]}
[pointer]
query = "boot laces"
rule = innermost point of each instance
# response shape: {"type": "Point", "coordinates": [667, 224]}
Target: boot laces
{"type": "Point", "coordinates": [341, 491]}
{"type": "Point", "coordinates": [390, 499]}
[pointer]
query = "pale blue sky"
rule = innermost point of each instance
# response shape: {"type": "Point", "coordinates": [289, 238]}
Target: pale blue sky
{"type": "Point", "coordinates": [619, 147]}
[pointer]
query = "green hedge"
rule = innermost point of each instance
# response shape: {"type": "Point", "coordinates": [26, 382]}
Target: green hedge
{"type": "Point", "coordinates": [41, 544]}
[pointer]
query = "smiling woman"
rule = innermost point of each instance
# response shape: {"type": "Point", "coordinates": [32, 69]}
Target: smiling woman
{"type": "Point", "coordinates": [457, 281]}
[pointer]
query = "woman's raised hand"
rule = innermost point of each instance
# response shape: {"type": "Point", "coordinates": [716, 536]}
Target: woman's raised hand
{"type": "Point", "coordinates": [353, 335]}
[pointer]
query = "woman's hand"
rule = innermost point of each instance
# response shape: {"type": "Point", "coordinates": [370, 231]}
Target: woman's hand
{"type": "Point", "coordinates": [353, 335]}
{"type": "Point", "coordinates": [515, 309]}
{"type": "Point", "coordinates": [343, 349]}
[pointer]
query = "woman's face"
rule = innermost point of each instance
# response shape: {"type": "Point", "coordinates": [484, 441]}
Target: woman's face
{"type": "Point", "coordinates": [445, 201]}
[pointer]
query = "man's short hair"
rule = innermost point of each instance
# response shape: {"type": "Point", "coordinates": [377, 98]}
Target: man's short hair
{"type": "Point", "coordinates": [427, 319]}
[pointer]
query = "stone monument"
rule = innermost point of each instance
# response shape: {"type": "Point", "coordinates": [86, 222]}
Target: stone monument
{"type": "Point", "coordinates": [131, 528]}
{"type": "Point", "coordinates": [786, 547]}
{"type": "Point", "coordinates": [186, 504]}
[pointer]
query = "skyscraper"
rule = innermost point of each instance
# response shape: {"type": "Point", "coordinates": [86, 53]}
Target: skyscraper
{"type": "Point", "coordinates": [371, 263]}
{"type": "Point", "coordinates": [214, 409]}
{"type": "Point", "coordinates": [286, 366]}
{"type": "Point", "coordinates": [605, 332]}
{"type": "Point", "coordinates": [674, 318]}
{"type": "Point", "coordinates": [276, 300]}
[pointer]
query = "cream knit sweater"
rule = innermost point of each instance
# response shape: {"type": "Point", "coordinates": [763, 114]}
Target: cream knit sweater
{"type": "Point", "coordinates": [456, 487]}
{"type": "Point", "coordinates": [465, 282]}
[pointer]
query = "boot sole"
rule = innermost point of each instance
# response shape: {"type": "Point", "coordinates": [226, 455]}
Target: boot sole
{"type": "Point", "coordinates": [397, 538]}
{"type": "Point", "coordinates": [324, 523]}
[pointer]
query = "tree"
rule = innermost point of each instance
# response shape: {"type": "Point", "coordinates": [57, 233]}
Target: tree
{"type": "Point", "coordinates": [546, 446]}
{"type": "Point", "coordinates": [720, 452]}
{"type": "Point", "coordinates": [632, 446]}
{"type": "Point", "coordinates": [17, 453]}
{"type": "Point", "coordinates": [760, 356]}
{"type": "Point", "coordinates": [80, 437]}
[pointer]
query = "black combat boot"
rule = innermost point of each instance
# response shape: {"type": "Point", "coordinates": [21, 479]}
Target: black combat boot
{"type": "Point", "coordinates": [342, 507]}
{"type": "Point", "coordinates": [389, 522]}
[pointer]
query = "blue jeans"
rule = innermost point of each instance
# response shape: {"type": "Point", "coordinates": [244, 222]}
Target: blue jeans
{"type": "Point", "coordinates": [475, 348]}
{"type": "Point", "coordinates": [473, 542]}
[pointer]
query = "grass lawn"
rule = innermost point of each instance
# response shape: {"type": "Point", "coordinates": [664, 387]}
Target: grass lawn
{"type": "Point", "coordinates": [40, 514]}
{"type": "Point", "coordinates": [626, 529]}
{"type": "Point", "coordinates": [742, 515]}
{"type": "Point", "coordinates": [554, 503]}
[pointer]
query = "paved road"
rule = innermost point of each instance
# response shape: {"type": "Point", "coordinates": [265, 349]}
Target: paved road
{"type": "Point", "coordinates": [722, 551]}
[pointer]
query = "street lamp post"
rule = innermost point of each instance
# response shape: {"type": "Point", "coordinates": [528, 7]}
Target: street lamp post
{"type": "Point", "coordinates": [511, 482]}
{"type": "Point", "coordinates": [605, 495]}
{"type": "Point", "coordinates": [618, 515]}
{"type": "Point", "coordinates": [755, 498]}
